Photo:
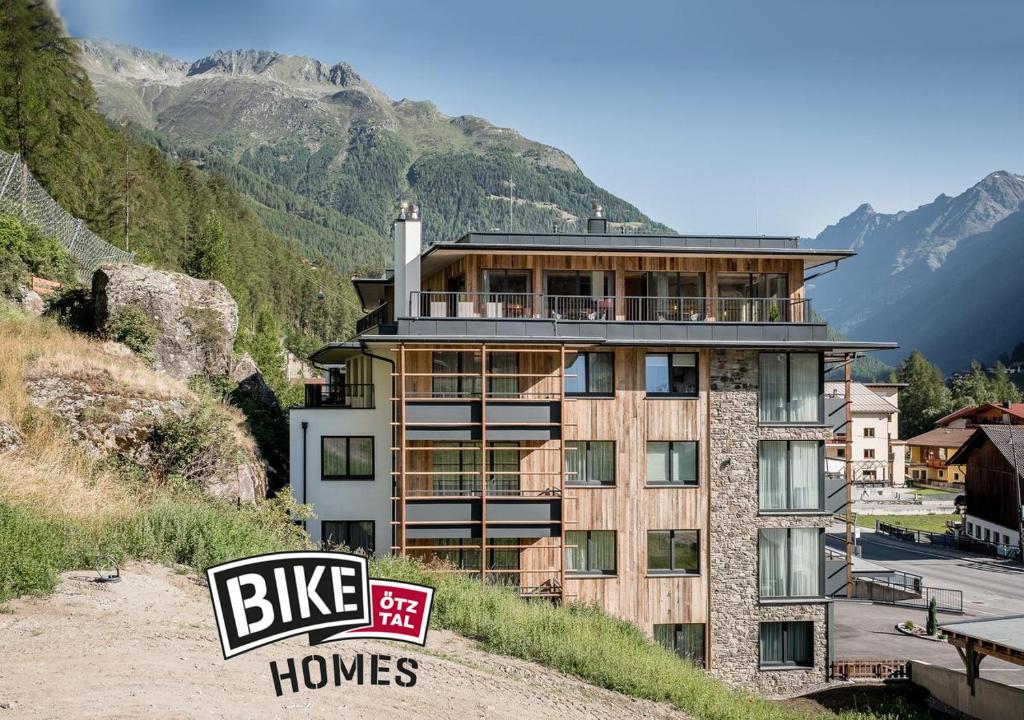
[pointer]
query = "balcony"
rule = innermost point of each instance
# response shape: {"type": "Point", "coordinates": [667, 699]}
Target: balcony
{"type": "Point", "coordinates": [534, 306]}
{"type": "Point", "coordinates": [376, 318]}
{"type": "Point", "coordinates": [355, 397]}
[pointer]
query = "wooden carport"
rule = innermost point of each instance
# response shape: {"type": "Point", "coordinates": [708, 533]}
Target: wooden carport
{"type": "Point", "coordinates": [1001, 637]}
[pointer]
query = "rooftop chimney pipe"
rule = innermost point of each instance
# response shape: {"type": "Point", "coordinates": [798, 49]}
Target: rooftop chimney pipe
{"type": "Point", "coordinates": [407, 233]}
{"type": "Point", "coordinates": [597, 224]}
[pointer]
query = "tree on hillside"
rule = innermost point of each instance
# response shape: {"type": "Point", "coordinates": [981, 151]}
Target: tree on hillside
{"type": "Point", "coordinates": [40, 81]}
{"type": "Point", "coordinates": [972, 388]}
{"type": "Point", "coordinates": [1003, 387]}
{"type": "Point", "coordinates": [207, 257]}
{"type": "Point", "coordinates": [926, 397]}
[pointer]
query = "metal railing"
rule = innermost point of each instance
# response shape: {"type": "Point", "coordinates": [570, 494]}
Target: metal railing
{"type": "Point", "coordinates": [607, 307]}
{"type": "Point", "coordinates": [380, 316]}
{"type": "Point", "coordinates": [356, 397]}
{"type": "Point", "coordinates": [948, 539]}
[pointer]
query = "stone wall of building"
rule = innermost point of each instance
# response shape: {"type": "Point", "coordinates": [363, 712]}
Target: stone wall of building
{"type": "Point", "coordinates": [736, 610]}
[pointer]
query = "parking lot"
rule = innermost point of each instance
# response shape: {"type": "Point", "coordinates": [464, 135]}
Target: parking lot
{"type": "Point", "coordinates": [990, 586]}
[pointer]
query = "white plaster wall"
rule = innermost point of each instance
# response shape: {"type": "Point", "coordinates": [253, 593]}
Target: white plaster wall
{"type": "Point", "coordinates": [346, 499]}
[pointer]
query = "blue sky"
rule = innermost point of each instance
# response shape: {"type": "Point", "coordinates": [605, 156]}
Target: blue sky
{"type": "Point", "coordinates": [776, 116]}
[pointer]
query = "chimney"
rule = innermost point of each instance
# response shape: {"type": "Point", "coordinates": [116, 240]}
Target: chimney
{"type": "Point", "coordinates": [597, 224]}
{"type": "Point", "coordinates": [407, 233]}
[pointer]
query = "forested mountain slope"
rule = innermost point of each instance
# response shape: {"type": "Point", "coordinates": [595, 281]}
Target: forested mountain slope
{"type": "Point", "coordinates": [94, 170]}
{"type": "Point", "coordinates": [292, 129]}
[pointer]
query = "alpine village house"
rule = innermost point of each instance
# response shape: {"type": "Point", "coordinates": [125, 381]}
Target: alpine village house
{"type": "Point", "coordinates": [632, 420]}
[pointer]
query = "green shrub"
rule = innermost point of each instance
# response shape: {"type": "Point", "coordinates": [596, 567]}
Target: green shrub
{"type": "Point", "coordinates": [196, 445]}
{"type": "Point", "coordinates": [130, 324]}
{"type": "Point", "coordinates": [39, 254]}
{"type": "Point", "coordinates": [932, 626]}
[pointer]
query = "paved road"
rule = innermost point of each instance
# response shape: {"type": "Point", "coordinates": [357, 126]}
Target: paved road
{"type": "Point", "coordinates": [991, 586]}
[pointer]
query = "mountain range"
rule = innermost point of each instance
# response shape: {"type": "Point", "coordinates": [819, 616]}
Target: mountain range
{"type": "Point", "coordinates": [944, 279]}
{"type": "Point", "coordinates": [323, 153]}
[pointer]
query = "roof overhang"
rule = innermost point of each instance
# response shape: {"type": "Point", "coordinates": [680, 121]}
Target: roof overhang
{"type": "Point", "coordinates": [440, 255]}
{"type": "Point", "coordinates": [335, 353]}
{"type": "Point", "coordinates": [371, 291]}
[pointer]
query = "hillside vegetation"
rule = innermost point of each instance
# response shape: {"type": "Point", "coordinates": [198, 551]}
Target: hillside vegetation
{"type": "Point", "coordinates": [62, 509]}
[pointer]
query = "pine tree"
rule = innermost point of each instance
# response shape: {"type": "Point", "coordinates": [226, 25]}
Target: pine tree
{"type": "Point", "coordinates": [208, 252]}
{"type": "Point", "coordinates": [1003, 387]}
{"type": "Point", "coordinates": [926, 397]}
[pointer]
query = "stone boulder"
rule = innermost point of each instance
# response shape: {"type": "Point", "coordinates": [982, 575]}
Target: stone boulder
{"type": "Point", "coordinates": [31, 302]}
{"type": "Point", "coordinates": [197, 319]}
{"type": "Point", "coordinates": [251, 383]}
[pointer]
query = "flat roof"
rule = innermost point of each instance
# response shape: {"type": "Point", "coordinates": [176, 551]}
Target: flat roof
{"type": "Point", "coordinates": [1006, 632]}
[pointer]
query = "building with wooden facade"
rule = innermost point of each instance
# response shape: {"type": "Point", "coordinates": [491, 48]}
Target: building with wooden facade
{"type": "Point", "coordinates": [631, 420]}
{"type": "Point", "coordinates": [994, 458]}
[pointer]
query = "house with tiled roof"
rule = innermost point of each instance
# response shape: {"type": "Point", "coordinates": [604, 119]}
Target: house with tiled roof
{"type": "Point", "coordinates": [994, 458]}
{"type": "Point", "coordinates": [871, 427]}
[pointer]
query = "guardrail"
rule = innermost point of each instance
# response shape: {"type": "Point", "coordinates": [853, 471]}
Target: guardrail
{"type": "Point", "coordinates": [380, 316]}
{"type": "Point", "coordinates": [356, 396]}
{"type": "Point", "coordinates": [948, 540]}
{"type": "Point", "coordinates": [428, 304]}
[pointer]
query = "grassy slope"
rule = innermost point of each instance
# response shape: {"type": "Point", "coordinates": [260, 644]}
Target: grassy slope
{"type": "Point", "coordinates": [60, 509]}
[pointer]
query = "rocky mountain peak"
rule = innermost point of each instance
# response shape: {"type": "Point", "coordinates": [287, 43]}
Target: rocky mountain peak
{"type": "Point", "coordinates": [276, 66]}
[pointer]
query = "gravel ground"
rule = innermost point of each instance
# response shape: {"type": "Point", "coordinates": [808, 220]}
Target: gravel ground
{"type": "Point", "coordinates": [147, 647]}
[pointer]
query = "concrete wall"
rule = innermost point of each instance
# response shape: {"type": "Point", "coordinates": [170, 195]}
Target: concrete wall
{"type": "Point", "coordinates": [346, 499]}
{"type": "Point", "coordinates": [736, 608]}
{"type": "Point", "coordinates": [991, 700]}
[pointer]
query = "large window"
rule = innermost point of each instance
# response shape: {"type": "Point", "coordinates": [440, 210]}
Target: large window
{"type": "Point", "coordinates": [787, 644]}
{"type": "Point", "coordinates": [503, 364]}
{"type": "Point", "coordinates": [790, 474]}
{"type": "Point", "coordinates": [684, 639]}
{"type": "Point", "coordinates": [590, 462]}
{"type": "Point", "coordinates": [671, 374]}
{"type": "Point", "coordinates": [790, 562]}
{"type": "Point", "coordinates": [464, 554]}
{"type": "Point", "coordinates": [457, 469]}
{"type": "Point", "coordinates": [457, 374]}
{"type": "Point", "coordinates": [674, 552]}
{"type": "Point", "coordinates": [790, 388]}
{"type": "Point", "coordinates": [503, 468]}
{"type": "Point", "coordinates": [759, 297]}
{"type": "Point", "coordinates": [590, 552]}
{"type": "Point", "coordinates": [591, 374]}
{"type": "Point", "coordinates": [672, 463]}
{"type": "Point", "coordinates": [353, 534]}
{"type": "Point", "coordinates": [346, 458]}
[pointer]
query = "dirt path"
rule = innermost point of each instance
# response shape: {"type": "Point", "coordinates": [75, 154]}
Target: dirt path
{"type": "Point", "coordinates": [146, 647]}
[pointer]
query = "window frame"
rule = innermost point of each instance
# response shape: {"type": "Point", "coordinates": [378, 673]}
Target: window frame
{"type": "Point", "coordinates": [677, 627]}
{"type": "Point", "coordinates": [588, 393]}
{"type": "Point", "coordinates": [596, 573]}
{"type": "Point", "coordinates": [787, 598]}
{"type": "Point", "coordinates": [672, 570]}
{"type": "Point", "coordinates": [789, 509]}
{"type": "Point", "coordinates": [669, 483]}
{"type": "Point", "coordinates": [588, 451]}
{"type": "Point", "coordinates": [669, 355]}
{"type": "Point", "coordinates": [461, 376]}
{"type": "Point", "coordinates": [785, 662]}
{"type": "Point", "coordinates": [348, 457]}
{"type": "Point", "coordinates": [348, 534]}
{"type": "Point", "coordinates": [820, 420]}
